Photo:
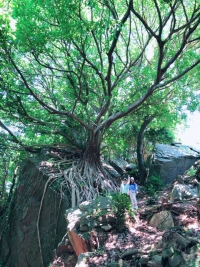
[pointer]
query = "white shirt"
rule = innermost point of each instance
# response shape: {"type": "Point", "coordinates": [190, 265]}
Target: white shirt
{"type": "Point", "coordinates": [124, 188]}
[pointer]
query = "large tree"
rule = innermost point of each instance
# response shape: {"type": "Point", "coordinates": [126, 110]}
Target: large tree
{"type": "Point", "coordinates": [74, 68]}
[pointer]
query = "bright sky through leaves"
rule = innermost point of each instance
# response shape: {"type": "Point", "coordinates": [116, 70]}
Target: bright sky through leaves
{"type": "Point", "coordinates": [191, 135]}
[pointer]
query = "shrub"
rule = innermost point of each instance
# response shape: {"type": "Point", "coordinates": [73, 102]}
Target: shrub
{"type": "Point", "coordinates": [121, 204]}
{"type": "Point", "coordinates": [153, 185]}
{"type": "Point", "coordinates": [191, 172]}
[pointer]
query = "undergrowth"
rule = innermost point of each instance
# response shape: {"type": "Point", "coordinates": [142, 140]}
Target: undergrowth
{"type": "Point", "coordinates": [153, 185]}
{"type": "Point", "coordinates": [121, 205]}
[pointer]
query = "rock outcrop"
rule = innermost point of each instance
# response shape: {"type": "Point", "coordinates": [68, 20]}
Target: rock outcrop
{"type": "Point", "coordinates": [112, 171]}
{"type": "Point", "coordinates": [119, 165]}
{"type": "Point", "coordinates": [92, 237]}
{"type": "Point", "coordinates": [183, 191]}
{"type": "Point", "coordinates": [37, 225]}
{"type": "Point", "coordinates": [89, 222]}
{"type": "Point", "coordinates": [36, 221]}
{"type": "Point", "coordinates": [169, 161]}
{"type": "Point", "coordinates": [88, 226]}
{"type": "Point", "coordinates": [36, 218]}
{"type": "Point", "coordinates": [162, 220]}
{"type": "Point", "coordinates": [179, 249]}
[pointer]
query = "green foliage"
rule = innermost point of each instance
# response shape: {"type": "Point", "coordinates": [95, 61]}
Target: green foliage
{"type": "Point", "coordinates": [121, 205]}
{"type": "Point", "coordinates": [160, 135]}
{"type": "Point", "coordinates": [9, 161]}
{"type": "Point", "coordinates": [153, 253]}
{"type": "Point", "coordinates": [191, 172]}
{"type": "Point", "coordinates": [153, 185]}
{"type": "Point", "coordinates": [196, 261]}
{"type": "Point", "coordinates": [80, 73]}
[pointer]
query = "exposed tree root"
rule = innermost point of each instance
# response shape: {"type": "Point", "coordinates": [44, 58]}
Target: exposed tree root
{"type": "Point", "coordinates": [83, 180]}
{"type": "Point", "coordinates": [86, 181]}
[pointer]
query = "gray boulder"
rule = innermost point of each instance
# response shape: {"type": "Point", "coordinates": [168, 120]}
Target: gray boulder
{"type": "Point", "coordinates": [112, 171]}
{"type": "Point", "coordinates": [84, 220]}
{"type": "Point", "coordinates": [162, 220]}
{"type": "Point", "coordinates": [119, 165]}
{"type": "Point", "coordinates": [155, 261]}
{"type": "Point", "coordinates": [19, 241]}
{"type": "Point", "coordinates": [117, 264]}
{"type": "Point", "coordinates": [179, 250]}
{"type": "Point", "coordinates": [169, 161]}
{"type": "Point", "coordinates": [129, 167]}
{"type": "Point", "coordinates": [182, 191]}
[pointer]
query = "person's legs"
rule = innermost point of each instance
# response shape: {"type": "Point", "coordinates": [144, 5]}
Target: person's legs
{"type": "Point", "coordinates": [131, 197]}
{"type": "Point", "coordinates": [133, 200]}
{"type": "Point", "coordinates": [135, 205]}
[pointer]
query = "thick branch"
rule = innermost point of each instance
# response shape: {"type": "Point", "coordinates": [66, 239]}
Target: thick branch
{"type": "Point", "coordinates": [141, 100]}
{"type": "Point", "coordinates": [144, 23]}
{"type": "Point", "coordinates": [15, 139]}
{"type": "Point", "coordinates": [160, 19]}
{"type": "Point", "coordinates": [162, 85]}
{"type": "Point", "coordinates": [113, 45]}
{"type": "Point", "coordinates": [184, 42]}
{"type": "Point", "coordinates": [83, 54]}
{"type": "Point", "coordinates": [50, 109]}
{"type": "Point", "coordinates": [129, 109]}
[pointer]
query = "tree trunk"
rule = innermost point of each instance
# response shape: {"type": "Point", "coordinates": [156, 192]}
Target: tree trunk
{"type": "Point", "coordinates": [85, 177]}
{"type": "Point", "coordinates": [140, 158]}
{"type": "Point", "coordinates": [92, 150]}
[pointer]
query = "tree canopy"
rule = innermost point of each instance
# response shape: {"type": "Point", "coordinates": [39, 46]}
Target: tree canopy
{"type": "Point", "coordinates": [71, 69]}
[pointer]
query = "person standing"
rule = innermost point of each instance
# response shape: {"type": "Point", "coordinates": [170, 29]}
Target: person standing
{"type": "Point", "coordinates": [132, 191]}
{"type": "Point", "coordinates": [124, 186]}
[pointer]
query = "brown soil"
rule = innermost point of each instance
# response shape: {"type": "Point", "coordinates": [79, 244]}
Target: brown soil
{"type": "Point", "coordinates": [138, 235]}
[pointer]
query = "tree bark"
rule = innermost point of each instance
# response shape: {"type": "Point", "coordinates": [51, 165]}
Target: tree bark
{"type": "Point", "coordinates": [140, 157]}
{"type": "Point", "coordinates": [92, 150]}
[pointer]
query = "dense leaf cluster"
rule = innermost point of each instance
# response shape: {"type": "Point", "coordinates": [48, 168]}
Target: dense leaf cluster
{"type": "Point", "coordinates": [95, 75]}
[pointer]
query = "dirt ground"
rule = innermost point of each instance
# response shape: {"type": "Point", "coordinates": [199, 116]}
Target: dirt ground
{"type": "Point", "coordinates": [138, 235]}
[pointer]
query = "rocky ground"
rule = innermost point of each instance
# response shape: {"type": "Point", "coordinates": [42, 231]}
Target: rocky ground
{"type": "Point", "coordinates": [139, 236]}
{"type": "Point", "coordinates": [141, 245]}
